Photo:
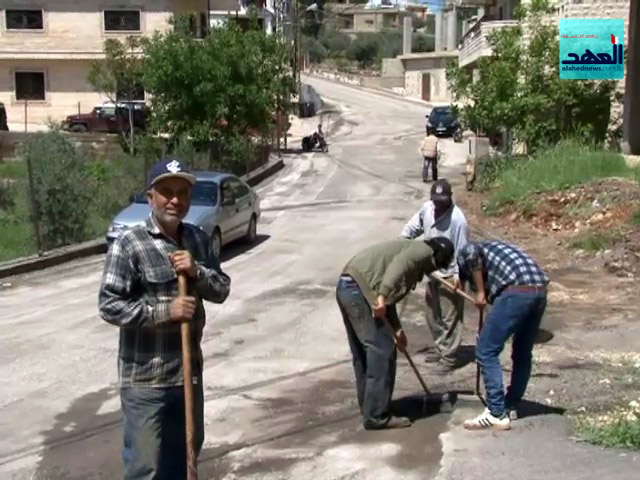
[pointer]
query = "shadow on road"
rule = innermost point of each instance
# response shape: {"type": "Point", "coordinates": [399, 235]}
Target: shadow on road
{"type": "Point", "coordinates": [236, 248]}
{"type": "Point", "coordinates": [83, 443]}
{"type": "Point", "coordinates": [418, 406]}
{"type": "Point", "coordinates": [528, 408]}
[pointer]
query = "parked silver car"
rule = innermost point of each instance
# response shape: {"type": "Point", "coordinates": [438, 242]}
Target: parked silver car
{"type": "Point", "coordinates": [222, 205]}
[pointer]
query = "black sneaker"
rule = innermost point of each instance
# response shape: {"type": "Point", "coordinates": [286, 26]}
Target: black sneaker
{"type": "Point", "coordinates": [398, 422]}
{"type": "Point", "coordinates": [393, 422]}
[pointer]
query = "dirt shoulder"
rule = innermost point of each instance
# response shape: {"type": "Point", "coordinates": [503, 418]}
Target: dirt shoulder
{"type": "Point", "coordinates": [587, 357]}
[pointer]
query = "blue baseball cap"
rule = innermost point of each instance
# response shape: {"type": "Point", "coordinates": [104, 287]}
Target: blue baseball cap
{"type": "Point", "coordinates": [169, 168]}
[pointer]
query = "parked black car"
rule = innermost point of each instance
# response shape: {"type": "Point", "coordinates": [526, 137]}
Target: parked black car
{"type": "Point", "coordinates": [3, 118]}
{"type": "Point", "coordinates": [442, 121]}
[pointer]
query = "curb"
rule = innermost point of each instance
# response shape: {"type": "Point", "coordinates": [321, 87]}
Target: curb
{"type": "Point", "coordinates": [52, 258]}
{"type": "Point", "coordinates": [62, 255]}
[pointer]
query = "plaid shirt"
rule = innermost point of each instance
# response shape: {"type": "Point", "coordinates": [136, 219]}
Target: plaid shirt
{"type": "Point", "coordinates": [503, 265]}
{"type": "Point", "coordinates": [138, 286]}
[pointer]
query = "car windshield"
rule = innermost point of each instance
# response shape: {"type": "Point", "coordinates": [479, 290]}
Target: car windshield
{"type": "Point", "coordinates": [203, 194]}
{"type": "Point", "coordinates": [442, 115]}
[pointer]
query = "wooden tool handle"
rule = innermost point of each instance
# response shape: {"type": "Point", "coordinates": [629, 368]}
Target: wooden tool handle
{"type": "Point", "coordinates": [478, 393]}
{"type": "Point", "coordinates": [409, 359]}
{"type": "Point", "coordinates": [449, 286]}
{"type": "Point", "coordinates": [187, 381]}
{"type": "Point", "coordinates": [415, 370]}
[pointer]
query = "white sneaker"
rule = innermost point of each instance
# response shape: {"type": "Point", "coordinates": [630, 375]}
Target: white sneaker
{"type": "Point", "coordinates": [486, 420]}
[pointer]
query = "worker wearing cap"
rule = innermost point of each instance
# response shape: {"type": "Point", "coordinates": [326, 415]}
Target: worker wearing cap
{"type": "Point", "coordinates": [139, 294]}
{"type": "Point", "coordinates": [440, 217]}
{"type": "Point", "coordinates": [371, 284]}
{"type": "Point", "coordinates": [514, 284]}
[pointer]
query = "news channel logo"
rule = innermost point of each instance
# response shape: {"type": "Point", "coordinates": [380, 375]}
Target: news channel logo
{"type": "Point", "coordinates": [591, 48]}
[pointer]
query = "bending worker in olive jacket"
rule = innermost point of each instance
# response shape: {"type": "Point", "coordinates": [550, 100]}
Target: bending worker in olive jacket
{"type": "Point", "coordinates": [371, 284]}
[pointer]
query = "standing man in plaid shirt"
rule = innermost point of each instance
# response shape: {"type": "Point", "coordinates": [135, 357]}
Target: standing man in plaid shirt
{"type": "Point", "coordinates": [139, 294]}
{"type": "Point", "coordinates": [516, 287]}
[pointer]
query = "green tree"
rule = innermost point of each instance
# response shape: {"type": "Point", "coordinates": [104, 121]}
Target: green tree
{"type": "Point", "coordinates": [218, 91]}
{"type": "Point", "coordinates": [364, 49]}
{"type": "Point", "coordinates": [119, 76]}
{"type": "Point", "coordinates": [518, 89]}
{"type": "Point", "coordinates": [61, 196]}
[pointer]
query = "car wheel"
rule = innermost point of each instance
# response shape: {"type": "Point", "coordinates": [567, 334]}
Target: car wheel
{"type": "Point", "coordinates": [216, 243]}
{"type": "Point", "coordinates": [78, 128]}
{"type": "Point", "coordinates": [250, 237]}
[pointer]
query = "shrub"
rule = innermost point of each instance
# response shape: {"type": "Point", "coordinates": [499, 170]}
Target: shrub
{"type": "Point", "coordinates": [422, 43]}
{"type": "Point", "coordinates": [335, 43]}
{"type": "Point", "coordinates": [317, 51]}
{"type": "Point", "coordinates": [60, 184]}
{"type": "Point", "coordinates": [364, 50]}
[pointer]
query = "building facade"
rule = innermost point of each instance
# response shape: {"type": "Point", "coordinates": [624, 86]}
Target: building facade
{"type": "Point", "coordinates": [47, 48]}
{"type": "Point", "coordinates": [239, 10]}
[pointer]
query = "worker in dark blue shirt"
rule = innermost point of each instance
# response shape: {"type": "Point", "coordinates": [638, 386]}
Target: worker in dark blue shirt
{"type": "Point", "coordinates": [512, 282]}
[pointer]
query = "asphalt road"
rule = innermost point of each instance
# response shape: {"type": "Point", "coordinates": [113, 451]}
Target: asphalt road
{"type": "Point", "coordinates": [280, 399]}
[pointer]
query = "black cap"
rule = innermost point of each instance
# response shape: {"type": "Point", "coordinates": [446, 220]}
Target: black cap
{"type": "Point", "coordinates": [443, 250]}
{"type": "Point", "coordinates": [169, 168]}
{"type": "Point", "coordinates": [441, 190]}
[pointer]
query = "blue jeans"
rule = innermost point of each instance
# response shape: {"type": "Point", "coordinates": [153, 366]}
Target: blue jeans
{"type": "Point", "coordinates": [373, 351]}
{"type": "Point", "coordinates": [154, 432]}
{"type": "Point", "coordinates": [518, 314]}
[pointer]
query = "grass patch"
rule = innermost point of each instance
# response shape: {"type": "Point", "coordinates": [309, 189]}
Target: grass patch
{"type": "Point", "coordinates": [13, 170]}
{"type": "Point", "coordinates": [594, 241]}
{"type": "Point", "coordinates": [563, 166]}
{"type": "Point", "coordinates": [635, 218]}
{"type": "Point", "coordinates": [617, 428]}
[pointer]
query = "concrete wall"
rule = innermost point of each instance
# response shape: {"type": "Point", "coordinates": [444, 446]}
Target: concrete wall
{"type": "Point", "coordinates": [77, 26]}
{"type": "Point", "coordinates": [392, 67]}
{"type": "Point", "coordinates": [375, 21]}
{"type": "Point", "coordinates": [439, 89]}
{"type": "Point", "coordinates": [65, 83]}
{"type": "Point", "coordinates": [430, 63]}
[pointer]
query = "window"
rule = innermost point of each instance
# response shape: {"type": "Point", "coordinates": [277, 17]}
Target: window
{"type": "Point", "coordinates": [239, 189]}
{"type": "Point", "coordinates": [30, 86]}
{"type": "Point", "coordinates": [24, 20]}
{"type": "Point", "coordinates": [369, 22]}
{"type": "Point", "coordinates": [122, 20]}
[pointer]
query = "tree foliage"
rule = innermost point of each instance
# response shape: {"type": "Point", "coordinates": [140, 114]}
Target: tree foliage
{"type": "Point", "coordinates": [60, 192]}
{"type": "Point", "coordinates": [221, 89]}
{"type": "Point", "coordinates": [518, 88]}
{"type": "Point", "coordinates": [119, 75]}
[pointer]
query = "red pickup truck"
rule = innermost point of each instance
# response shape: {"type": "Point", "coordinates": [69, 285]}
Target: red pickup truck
{"type": "Point", "coordinates": [108, 118]}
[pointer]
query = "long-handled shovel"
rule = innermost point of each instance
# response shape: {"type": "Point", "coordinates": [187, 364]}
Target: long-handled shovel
{"type": "Point", "coordinates": [446, 404]}
{"type": "Point", "coordinates": [468, 297]}
{"type": "Point", "coordinates": [187, 380]}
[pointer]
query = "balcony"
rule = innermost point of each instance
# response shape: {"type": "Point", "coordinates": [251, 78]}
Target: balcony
{"type": "Point", "coordinates": [474, 45]}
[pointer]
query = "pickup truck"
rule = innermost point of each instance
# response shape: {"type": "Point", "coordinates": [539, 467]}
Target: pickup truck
{"type": "Point", "coordinates": [108, 118]}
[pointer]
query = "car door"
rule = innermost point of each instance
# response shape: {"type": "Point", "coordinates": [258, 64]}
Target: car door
{"type": "Point", "coordinates": [243, 200]}
{"type": "Point", "coordinates": [227, 214]}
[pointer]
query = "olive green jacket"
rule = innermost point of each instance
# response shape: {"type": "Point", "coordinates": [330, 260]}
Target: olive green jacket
{"type": "Point", "coordinates": [391, 269]}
